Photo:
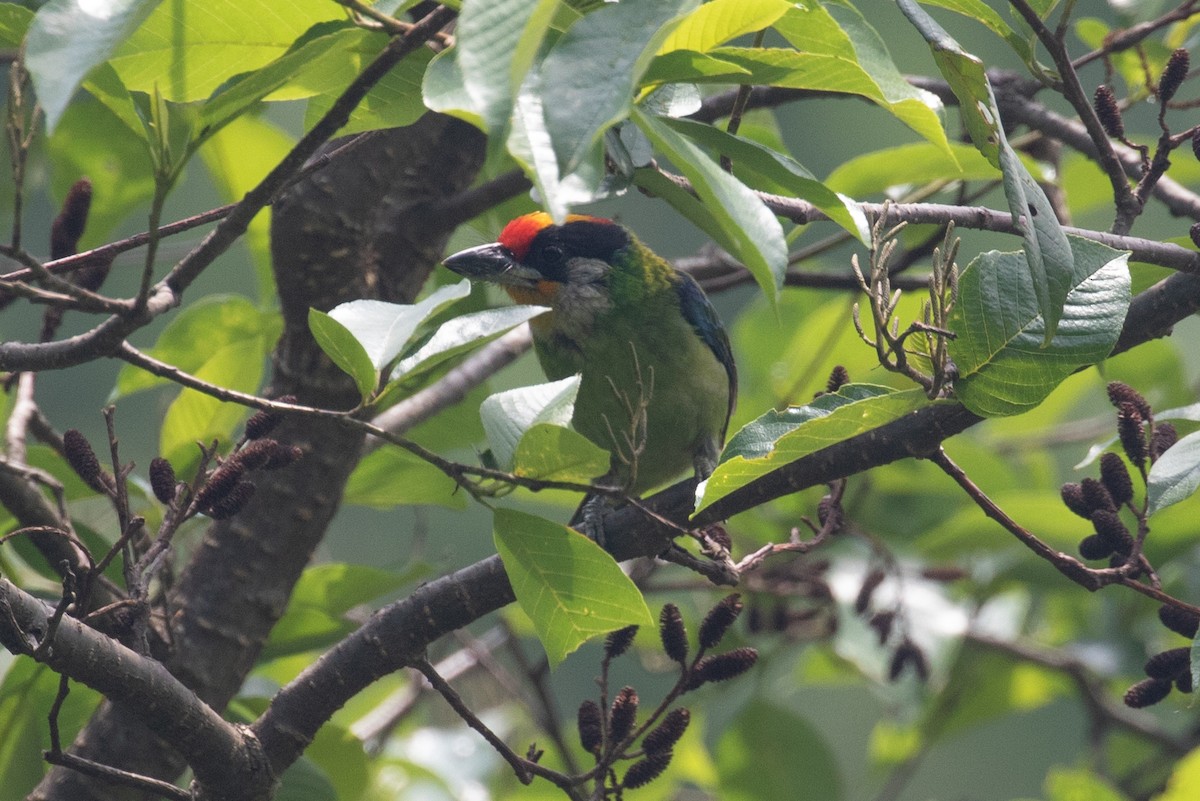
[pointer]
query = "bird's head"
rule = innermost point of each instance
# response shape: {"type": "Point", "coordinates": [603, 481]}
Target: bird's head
{"type": "Point", "coordinates": [538, 262]}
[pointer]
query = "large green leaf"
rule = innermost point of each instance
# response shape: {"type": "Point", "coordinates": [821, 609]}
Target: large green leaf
{"type": "Point", "coordinates": [345, 350]}
{"type": "Point", "coordinates": [588, 78]}
{"type": "Point", "coordinates": [1175, 475]}
{"type": "Point", "coordinates": [508, 415]}
{"type": "Point", "coordinates": [746, 227]}
{"type": "Point", "coordinates": [981, 12]}
{"type": "Point", "coordinates": [462, 333]}
{"type": "Point", "coordinates": [393, 102]}
{"type": "Point", "coordinates": [718, 21]}
{"type": "Point", "coordinates": [186, 50]}
{"type": "Point", "coordinates": [768, 748]}
{"type": "Point", "coordinates": [1003, 367]}
{"type": "Point", "coordinates": [1047, 252]}
{"type": "Point", "coordinates": [14, 22]}
{"type": "Point", "coordinates": [916, 163]}
{"type": "Point", "coordinates": [69, 37]}
{"type": "Point", "coordinates": [1184, 783]}
{"type": "Point", "coordinates": [390, 476]}
{"type": "Point", "coordinates": [779, 168]}
{"type": "Point", "coordinates": [554, 453]}
{"type": "Point", "coordinates": [569, 586]}
{"type": "Point", "coordinates": [778, 438]}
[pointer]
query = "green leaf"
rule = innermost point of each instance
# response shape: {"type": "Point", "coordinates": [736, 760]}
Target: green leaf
{"type": "Point", "coordinates": [14, 22]}
{"type": "Point", "coordinates": [778, 438]}
{"type": "Point", "coordinates": [569, 586]}
{"type": "Point", "coordinates": [688, 66]}
{"type": "Point", "coordinates": [1184, 783]}
{"type": "Point", "coordinates": [315, 615]}
{"type": "Point", "coordinates": [444, 91]}
{"type": "Point", "coordinates": [1048, 254]}
{"type": "Point", "coordinates": [985, 15]}
{"type": "Point", "coordinates": [196, 417]}
{"type": "Point", "coordinates": [197, 334]}
{"type": "Point", "coordinates": [389, 477]}
{"type": "Point", "coordinates": [393, 102]}
{"type": "Point", "coordinates": [916, 163]}
{"type": "Point", "coordinates": [718, 21]}
{"type": "Point", "coordinates": [1003, 368]}
{"type": "Point", "coordinates": [588, 78]}
{"type": "Point", "coordinates": [508, 415]}
{"type": "Point", "coordinates": [491, 34]}
{"type": "Point", "coordinates": [769, 747]}
{"type": "Point", "coordinates": [554, 453]}
{"type": "Point", "coordinates": [68, 38]}
{"type": "Point", "coordinates": [780, 168]}
{"type": "Point", "coordinates": [384, 329]}
{"type": "Point", "coordinates": [746, 227]}
{"type": "Point", "coordinates": [1063, 784]}
{"type": "Point", "coordinates": [341, 345]}
{"type": "Point", "coordinates": [1175, 475]}
{"type": "Point", "coordinates": [462, 334]}
{"type": "Point", "coordinates": [187, 51]}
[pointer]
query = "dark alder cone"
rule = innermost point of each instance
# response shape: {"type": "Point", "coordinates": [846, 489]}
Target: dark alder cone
{"type": "Point", "coordinates": [1110, 528]}
{"type": "Point", "coordinates": [907, 653]}
{"type": "Point", "coordinates": [646, 770]}
{"type": "Point", "coordinates": [673, 633]}
{"type": "Point", "coordinates": [1163, 438]}
{"type": "Point", "coordinates": [1169, 664]}
{"type": "Point", "coordinates": [1129, 431]}
{"type": "Point", "coordinates": [945, 573]}
{"type": "Point", "coordinates": [222, 480]}
{"type": "Point", "coordinates": [827, 509]}
{"type": "Point", "coordinates": [717, 533]}
{"type": "Point", "coordinates": [261, 423]}
{"type": "Point", "coordinates": [623, 714]}
{"type": "Point", "coordinates": [1183, 682]}
{"type": "Point", "coordinates": [1196, 149]}
{"type": "Point", "coordinates": [719, 619]}
{"type": "Point", "coordinates": [1072, 496]}
{"type": "Point", "coordinates": [618, 642]}
{"type": "Point", "coordinates": [664, 736]}
{"type": "Point", "coordinates": [162, 479]}
{"type": "Point", "coordinates": [754, 620]}
{"type": "Point", "coordinates": [1094, 546]}
{"type": "Point", "coordinates": [1120, 392]}
{"type": "Point", "coordinates": [1173, 75]}
{"type": "Point", "coordinates": [1096, 496]}
{"type": "Point", "coordinates": [231, 502]}
{"type": "Point", "coordinates": [1109, 113]}
{"type": "Point", "coordinates": [1194, 230]}
{"type": "Point", "coordinates": [781, 616]}
{"type": "Point", "coordinates": [882, 622]}
{"type": "Point", "coordinates": [83, 461]}
{"type": "Point", "coordinates": [590, 728]}
{"type": "Point", "coordinates": [723, 667]}
{"type": "Point", "coordinates": [869, 585]}
{"type": "Point", "coordinates": [1147, 692]}
{"type": "Point", "coordinates": [1115, 478]}
{"type": "Point", "coordinates": [838, 378]}
{"type": "Point", "coordinates": [282, 455]}
{"type": "Point", "coordinates": [1179, 620]}
{"type": "Point", "coordinates": [68, 226]}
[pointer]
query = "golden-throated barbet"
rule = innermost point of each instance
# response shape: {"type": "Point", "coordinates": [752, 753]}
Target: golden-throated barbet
{"type": "Point", "coordinates": [658, 379]}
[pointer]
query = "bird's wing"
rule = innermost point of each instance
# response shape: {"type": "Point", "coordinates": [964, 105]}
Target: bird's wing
{"type": "Point", "coordinates": [700, 314]}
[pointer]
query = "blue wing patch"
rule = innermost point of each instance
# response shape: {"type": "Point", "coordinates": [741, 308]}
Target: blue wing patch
{"type": "Point", "coordinates": [699, 312]}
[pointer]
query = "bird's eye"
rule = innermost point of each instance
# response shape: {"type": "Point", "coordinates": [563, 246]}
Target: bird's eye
{"type": "Point", "coordinates": [553, 254]}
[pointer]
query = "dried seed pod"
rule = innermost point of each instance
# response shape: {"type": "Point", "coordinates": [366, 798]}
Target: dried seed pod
{"type": "Point", "coordinates": [220, 482]}
{"type": "Point", "coordinates": [719, 619]}
{"type": "Point", "coordinates": [591, 735]}
{"type": "Point", "coordinates": [1094, 546]}
{"type": "Point", "coordinates": [1109, 113]}
{"type": "Point", "coordinates": [870, 583]}
{"type": "Point", "coordinates": [1163, 438]}
{"type": "Point", "coordinates": [262, 422]}
{"type": "Point", "coordinates": [944, 573]}
{"type": "Point", "coordinates": [1110, 528]}
{"type": "Point", "coordinates": [162, 479]}
{"type": "Point", "coordinates": [1115, 478]}
{"type": "Point", "coordinates": [1173, 75]}
{"type": "Point", "coordinates": [1096, 496]}
{"type": "Point", "coordinates": [829, 513]}
{"type": "Point", "coordinates": [838, 378]}
{"type": "Point", "coordinates": [1129, 431]}
{"type": "Point", "coordinates": [1147, 692]}
{"type": "Point", "coordinates": [283, 455]}
{"type": "Point", "coordinates": [79, 454]}
{"type": "Point", "coordinates": [1120, 392]}
{"type": "Point", "coordinates": [255, 454]}
{"type": "Point", "coordinates": [1183, 682]}
{"type": "Point", "coordinates": [1169, 664]}
{"type": "Point", "coordinates": [68, 226]}
{"type": "Point", "coordinates": [618, 642]}
{"type": "Point", "coordinates": [664, 736]}
{"type": "Point", "coordinates": [623, 714]}
{"type": "Point", "coordinates": [754, 620]}
{"type": "Point", "coordinates": [646, 770]}
{"type": "Point", "coordinates": [717, 533]}
{"type": "Point", "coordinates": [1196, 145]}
{"type": "Point", "coordinates": [231, 502]}
{"type": "Point", "coordinates": [1072, 496]}
{"type": "Point", "coordinates": [907, 653]}
{"type": "Point", "coordinates": [1194, 229]}
{"type": "Point", "coordinates": [1180, 621]}
{"type": "Point", "coordinates": [723, 667]}
{"type": "Point", "coordinates": [673, 633]}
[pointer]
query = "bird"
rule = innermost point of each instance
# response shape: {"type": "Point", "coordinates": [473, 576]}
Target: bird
{"type": "Point", "coordinates": [658, 380]}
